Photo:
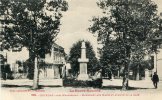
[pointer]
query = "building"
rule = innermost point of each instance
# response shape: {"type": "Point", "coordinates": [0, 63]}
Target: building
{"type": "Point", "coordinates": [54, 63]}
{"type": "Point", "coordinates": [52, 67]}
{"type": "Point", "coordinates": [14, 56]}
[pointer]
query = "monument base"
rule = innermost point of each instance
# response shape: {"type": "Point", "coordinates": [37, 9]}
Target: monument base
{"type": "Point", "coordinates": [83, 77]}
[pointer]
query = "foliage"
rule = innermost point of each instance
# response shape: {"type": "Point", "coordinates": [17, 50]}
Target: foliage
{"type": "Point", "coordinates": [5, 69]}
{"type": "Point", "coordinates": [112, 55]}
{"type": "Point", "coordinates": [75, 54]}
{"type": "Point", "coordinates": [33, 24]}
{"type": "Point", "coordinates": [132, 23]}
{"type": "Point", "coordinates": [79, 83]}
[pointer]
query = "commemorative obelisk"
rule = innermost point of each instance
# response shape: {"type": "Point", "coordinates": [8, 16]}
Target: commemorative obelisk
{"type": "Point", "coordinates": [83, 64]}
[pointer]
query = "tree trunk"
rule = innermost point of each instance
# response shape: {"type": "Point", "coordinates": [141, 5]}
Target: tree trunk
{"type": "Point", "coordinates": [125, 82]}
{"type": "Point", "coordinates": [137, 76]}
{"type": "Point", "coordinates": [31, 64]}
{"type": "Point", "coordinates": [36, 76]}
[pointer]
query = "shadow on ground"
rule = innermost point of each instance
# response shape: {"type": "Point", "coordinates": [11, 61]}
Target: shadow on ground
{"type": "Point", "coordinates": [112, 87]}
{"type": "Point", "coordinates": [29, 86]}
{"type": "Point", "coordinates": [16, 86]}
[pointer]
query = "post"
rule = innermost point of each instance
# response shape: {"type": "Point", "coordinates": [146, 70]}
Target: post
{"type": "Point", "coordinates": [138, 76]}
{"type": "Point", "coordinates": [35, 80]}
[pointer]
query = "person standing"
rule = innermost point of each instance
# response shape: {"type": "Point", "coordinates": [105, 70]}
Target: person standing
{"type": "Point", "coordinates": [155, 80]}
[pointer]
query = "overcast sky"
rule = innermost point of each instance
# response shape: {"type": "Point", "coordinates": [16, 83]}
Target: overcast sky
{"type": "Point", "coordinates": [75, 22]}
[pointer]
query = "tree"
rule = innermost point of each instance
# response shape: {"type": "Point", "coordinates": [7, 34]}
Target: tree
{"type": "Point", "coordinates": [134, 23]}
{"type": "Point", "coordinates": [75, 54]}
{"type": "Point", "coordinates": [112, 57]}
{"type": "Point", "coordinates": [33, 24]}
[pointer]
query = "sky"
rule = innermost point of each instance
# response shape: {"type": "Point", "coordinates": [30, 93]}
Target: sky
{"type": "Point", "coordinates": [76, 21]}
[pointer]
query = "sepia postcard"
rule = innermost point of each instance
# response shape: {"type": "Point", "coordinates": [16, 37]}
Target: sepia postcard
{"type": "Point", "coordinates": [80, 49]}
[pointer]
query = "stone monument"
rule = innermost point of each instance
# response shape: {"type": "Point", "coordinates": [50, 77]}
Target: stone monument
{"type": "Point", "coordinates": [83, 64]}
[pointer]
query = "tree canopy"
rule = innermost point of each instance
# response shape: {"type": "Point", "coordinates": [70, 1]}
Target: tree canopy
{"type": "Point", "coordinates": [131, 24]}
{"type": "Point", "coordinates": [30, 23]}
{"type": "Point", "coordinates": [33, 24]}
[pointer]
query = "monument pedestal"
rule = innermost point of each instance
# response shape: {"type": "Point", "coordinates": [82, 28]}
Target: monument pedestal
{"type": "Point", "coordinates": [83, 77]}
{"type": "Point", "coordinates": [83, 69]}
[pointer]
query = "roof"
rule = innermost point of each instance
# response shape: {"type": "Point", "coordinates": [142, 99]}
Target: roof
{"type": "Point", "coordinates": [57, 46]}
